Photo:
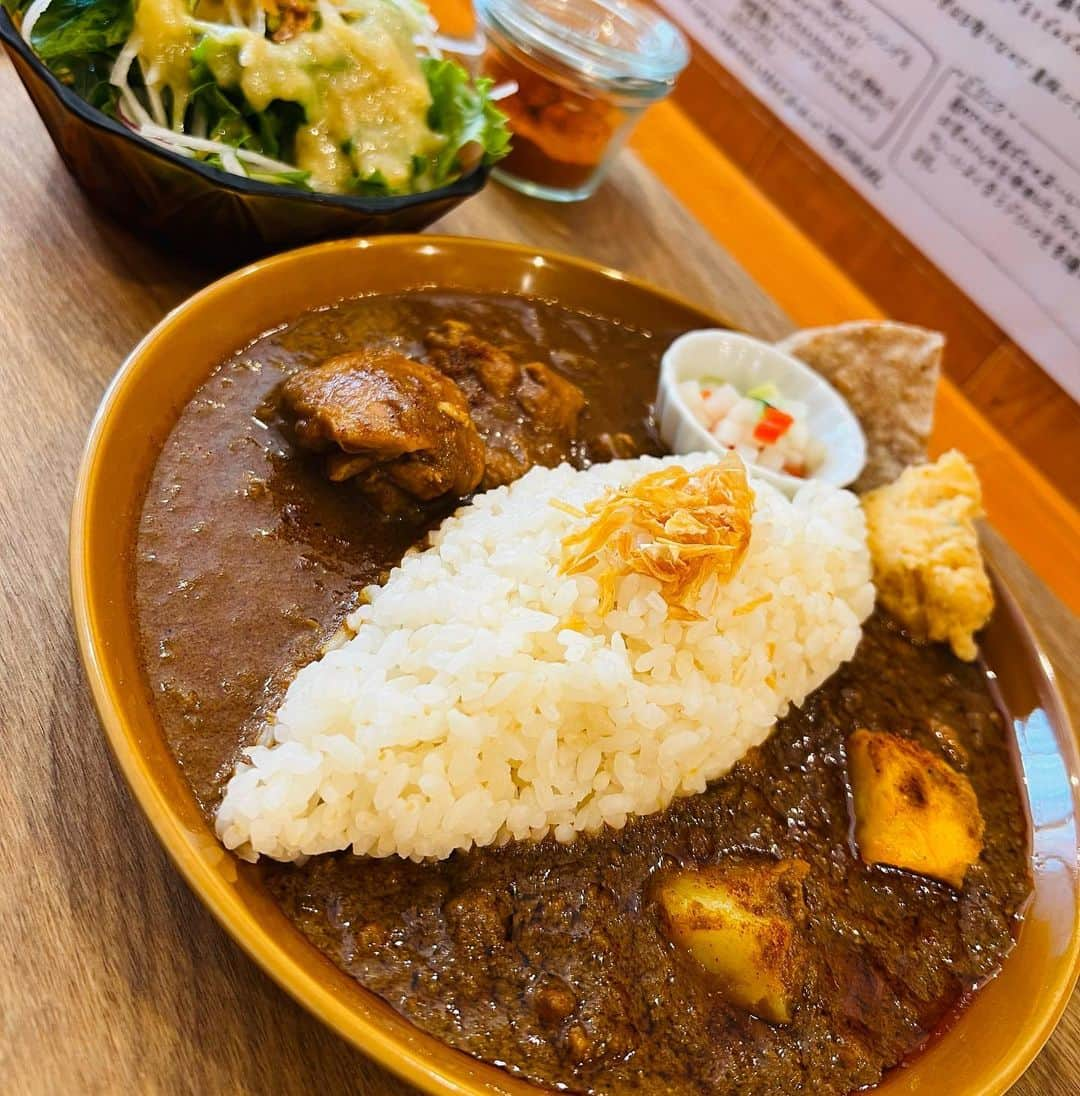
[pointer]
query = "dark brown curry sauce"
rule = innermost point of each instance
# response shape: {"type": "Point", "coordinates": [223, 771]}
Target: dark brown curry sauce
{"type": "Point", "coordinates": [247, 558]}
{"type": "Point", "coordinates": [551, 959]}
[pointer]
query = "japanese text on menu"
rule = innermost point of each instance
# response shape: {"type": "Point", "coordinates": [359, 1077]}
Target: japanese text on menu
{"type": "Point", "coordinates": [959, 120]}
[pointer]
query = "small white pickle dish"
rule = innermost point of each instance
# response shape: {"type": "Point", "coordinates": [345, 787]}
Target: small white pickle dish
{"type": "Point", "coordinates": [748, 363]}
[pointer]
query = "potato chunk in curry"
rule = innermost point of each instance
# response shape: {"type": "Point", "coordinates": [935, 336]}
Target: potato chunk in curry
{"type": "Point", "coordinates": [912, 810]}
{"type": "Point", "coordinates": [741, 923]}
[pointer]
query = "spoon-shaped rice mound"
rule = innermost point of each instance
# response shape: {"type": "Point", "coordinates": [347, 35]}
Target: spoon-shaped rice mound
{"type": "Point", "coordinates": [524, 677]}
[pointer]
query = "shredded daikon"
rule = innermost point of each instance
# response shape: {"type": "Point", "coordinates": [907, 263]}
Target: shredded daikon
{"type": "Point", "coordinates": [33, 14]}
{"type": "Point", "coordinates": [466, 47]}
{"type": "Point", "coordinates": [153, 97]}
{"type": "Point", "coordinates": [205, 144]}
{"type": "Point", "coordinates": [230, 161]}
{"type": "Point", "coordinates": [503, 90]}
{"type": "Point", "coordinates": [135, 114]}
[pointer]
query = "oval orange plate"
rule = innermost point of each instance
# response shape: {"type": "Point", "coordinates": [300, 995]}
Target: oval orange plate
{"type": "Point", "coordinates": [994, 1039]}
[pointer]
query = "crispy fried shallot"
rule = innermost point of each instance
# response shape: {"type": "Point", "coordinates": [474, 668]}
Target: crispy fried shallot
{"type": "Point", "coordinates": [681, 528]}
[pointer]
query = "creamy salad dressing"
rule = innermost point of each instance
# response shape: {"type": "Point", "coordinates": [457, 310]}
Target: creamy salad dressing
{"type": "Point", "coordinates": [359, 81]}
{"type": "Point", "coordinates": [362, 89]}
{"type": "Point", "coordinates": [166, 40]}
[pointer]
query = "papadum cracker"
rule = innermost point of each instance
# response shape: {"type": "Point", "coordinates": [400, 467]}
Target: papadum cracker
{"type": "Point", "coordinates": [888, 373]}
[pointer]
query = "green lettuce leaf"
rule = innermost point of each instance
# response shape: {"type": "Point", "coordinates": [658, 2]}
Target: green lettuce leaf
{"type": "Point", "coordinates": [230, 118]}
{"type": "Point", "coordinates": [374, 186]}
{"type": "Point", "coordinates": [78, 40]}
{"type": "Point", "coordinates": [71, 29]}
{"type": "Point", "coordinates": [464, 114]}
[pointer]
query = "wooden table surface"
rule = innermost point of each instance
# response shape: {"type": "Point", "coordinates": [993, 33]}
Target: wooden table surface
{"type": "Point", "coordinates": [113, 976]}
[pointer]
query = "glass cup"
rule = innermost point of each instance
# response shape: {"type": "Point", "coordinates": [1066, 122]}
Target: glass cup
{"type": "Point", "coordinates": [585, 71]}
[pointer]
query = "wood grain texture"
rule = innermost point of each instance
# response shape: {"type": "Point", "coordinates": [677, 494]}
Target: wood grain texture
{"type": "Point", "coordinates": [113, 977]}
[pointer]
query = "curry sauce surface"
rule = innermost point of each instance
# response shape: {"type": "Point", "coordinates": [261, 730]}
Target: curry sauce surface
{"type": "Point", "coordinates": [247, 560]}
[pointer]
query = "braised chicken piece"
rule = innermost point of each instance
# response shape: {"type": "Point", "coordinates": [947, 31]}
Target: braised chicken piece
{"type": "Point", "coordinates": [526, 414]}
{"type": "Point", "coordinates": [399, 427]}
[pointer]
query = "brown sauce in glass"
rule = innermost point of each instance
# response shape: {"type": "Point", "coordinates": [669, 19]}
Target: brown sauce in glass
{"type": "Point", "coordinates": [551, 959]}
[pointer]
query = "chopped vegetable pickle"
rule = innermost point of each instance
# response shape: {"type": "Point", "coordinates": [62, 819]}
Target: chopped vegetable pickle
{"type": "Point", "coordinates": [741, 923]}
{"type": "Point", "coordinates": [912, 810]}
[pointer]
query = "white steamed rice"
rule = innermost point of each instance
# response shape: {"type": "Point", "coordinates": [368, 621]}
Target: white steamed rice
{"type": "Point", "coordinates": [464, 712]}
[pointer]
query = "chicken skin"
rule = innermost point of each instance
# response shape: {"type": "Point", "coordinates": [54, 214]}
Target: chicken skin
{"type": "Point", "coordinates": [400, 428]}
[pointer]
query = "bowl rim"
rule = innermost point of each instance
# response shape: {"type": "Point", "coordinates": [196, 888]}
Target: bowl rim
{"type": "Point", "coordinates": [669, 380]}
{"type": "Point", "coordinates": [406, 1060]}
{"type": "Point", "coordinates": [462, 187]}
{"type": "Point", "coordinates": [1053, 703]}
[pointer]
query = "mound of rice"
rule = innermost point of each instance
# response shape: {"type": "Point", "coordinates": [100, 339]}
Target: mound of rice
{"type": "Point", "coordinates": [484, 698]}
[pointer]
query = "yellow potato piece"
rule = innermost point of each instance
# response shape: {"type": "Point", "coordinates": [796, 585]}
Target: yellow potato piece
{"type": "Point", "coordinates": [912, 810]}
{"type": "Point", "coordinates": [928, 570]}
{"type": "Point", "coordinates": [741, 923]}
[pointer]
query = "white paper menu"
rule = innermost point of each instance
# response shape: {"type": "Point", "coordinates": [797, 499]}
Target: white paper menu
{"type": "Point", "coordinates": [959, 121]}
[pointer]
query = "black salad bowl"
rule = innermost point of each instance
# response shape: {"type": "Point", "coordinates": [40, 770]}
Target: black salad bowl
{"type": "Point", "coordinates": [216, 218]}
